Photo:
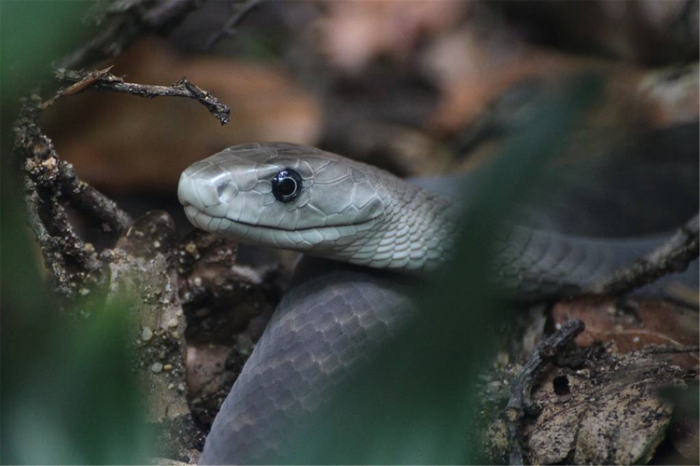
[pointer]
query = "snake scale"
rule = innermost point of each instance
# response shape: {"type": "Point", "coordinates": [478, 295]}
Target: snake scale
{"type": "Point", "coordinates": [300, 198]}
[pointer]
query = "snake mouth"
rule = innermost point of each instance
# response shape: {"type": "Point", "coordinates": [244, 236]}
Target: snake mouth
{"type": "Point", "coordinates": [299, 239]}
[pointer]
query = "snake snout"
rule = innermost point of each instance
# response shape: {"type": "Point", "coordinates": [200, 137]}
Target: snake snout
{"type": "Point", "coordinates": [205, 187]}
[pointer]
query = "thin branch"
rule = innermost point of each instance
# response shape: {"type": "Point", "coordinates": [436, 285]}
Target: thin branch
{"type": "Point", "coordinates": [72, 246]}
{"type": "Point", "coordinates": [51, 181]}
{"type": "Point", "coordinates": [45, 169]}
{"type": "Point", "coordinates": [668, 349]}
{"type": "Point", "coordinates": [53, 257]}
{"type": "Point", "coordinates": [230, 27]}
{"type": "Point", "coordinates": [90, 201]}
{"type": "Point", "coordinates": [672, 257]}
{"type": "Point", "coordinates": [103, 80]}
{"type": "Point", "coordinates": [541, 357]}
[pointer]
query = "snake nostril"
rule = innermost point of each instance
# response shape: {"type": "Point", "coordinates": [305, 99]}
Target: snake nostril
{"type": "Point", "coordinates": [226, 191]}
{"type": "Point", "coordinates": [184, 190]}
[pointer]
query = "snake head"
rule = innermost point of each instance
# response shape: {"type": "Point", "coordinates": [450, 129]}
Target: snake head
{"type": "Point", "coordinates": [282, 195]}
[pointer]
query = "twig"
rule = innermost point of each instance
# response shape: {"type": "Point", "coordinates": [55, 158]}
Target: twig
{"type": "Point", "coordinates": [103, 80]}
{"type": "Point", "coordinates": [229, 27]}
{"type": "Point", "coordinates": [53, 258]}
{"type": "Point", "coordinates": [72, 245]}
{"type": "Point", "coordinates": [50, 182]}
{"type": "Point", "coordinates": [668, 349]}
{"type": "Point", "coordinates": [45, 169]}
{"type": "Point", "coordinates": [673, 256]}
{"type": "Point", "coordinates": [520, 402]}
{"type": "Point", "coordinates": [541, 357]}
{"type": "Point", "coordinates": [90, 201]}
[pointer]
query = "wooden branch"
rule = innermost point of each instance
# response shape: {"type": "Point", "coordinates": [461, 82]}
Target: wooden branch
{"type": "Point", "coordinates": [104, 80]}
{"type": "Point", "coordinates": [672, 257]}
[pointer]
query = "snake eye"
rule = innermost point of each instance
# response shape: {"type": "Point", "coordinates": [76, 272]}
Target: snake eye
{"type": "Point", "coordinates": [286, 185]}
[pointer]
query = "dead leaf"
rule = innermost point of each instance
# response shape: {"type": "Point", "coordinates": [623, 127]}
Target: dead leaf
{"type": "Point", "coordinates": [634, 326]}
{"type": "Point", "coordinates": [607, 413]}
{"type": "Point", "coordinates": [78, 87]}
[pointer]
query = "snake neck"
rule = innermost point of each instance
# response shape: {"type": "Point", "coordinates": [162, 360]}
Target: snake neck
{"type": "Point", "coordinates": [415, 232]}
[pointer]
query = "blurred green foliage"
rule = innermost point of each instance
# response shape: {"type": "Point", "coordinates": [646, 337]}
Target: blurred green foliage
{"type": "Point", "coordinates": [32, 36]}
{"type": "Point", "coordinates": [68, 394]}
{"type": "Point", "coordinates": [416, 403]}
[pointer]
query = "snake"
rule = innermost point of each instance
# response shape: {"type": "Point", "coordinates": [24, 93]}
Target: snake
{"type": "Point", "coordinates": [342, 211]}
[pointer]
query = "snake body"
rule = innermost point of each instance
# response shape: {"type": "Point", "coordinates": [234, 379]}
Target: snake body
{"type": "Point", "coordinates": [301, 198]}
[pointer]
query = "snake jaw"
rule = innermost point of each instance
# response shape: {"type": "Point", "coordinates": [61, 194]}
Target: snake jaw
{"type": "Point", "coordinates": [320, 241]}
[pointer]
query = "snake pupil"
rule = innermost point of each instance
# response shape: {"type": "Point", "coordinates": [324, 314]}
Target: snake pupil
{"type": "Point", "coordinates": [286, 185]}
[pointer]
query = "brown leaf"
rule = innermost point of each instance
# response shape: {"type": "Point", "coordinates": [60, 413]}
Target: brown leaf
{"type": "Point", "coordinates": [634, 326]}
{"type": "Point", "coordinates": [606, 413]}
{"type": "Point", "coordinates": [77, 88]}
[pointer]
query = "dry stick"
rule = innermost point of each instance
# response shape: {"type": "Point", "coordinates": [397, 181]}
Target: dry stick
{"type": "Point", "coordinates": [45, 169]}
{"type": "Point", "coordinates": [49, 180]}
{"type": "Point", "coordinates": [520, 402]}
{"type": "Point", "coordinates": [675, 255]}
{"type": "Point", "coordinates": [48, 171]}
{"type": "Point", "coordinates": [89, 200]}
{"type": "Point", "coordinates": [72, 245]}
{"type": "Point", "coordinates": [50, 248]}
{"type": "Point", "coordinates": [668, 349]}
{"type": "Point", "coordinates": [103, 80]}
{"type": "Point", "coordinates": [229, 27]}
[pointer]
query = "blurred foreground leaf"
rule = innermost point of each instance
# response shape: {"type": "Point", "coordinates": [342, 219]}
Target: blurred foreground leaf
{"type": "Point", "coordinates": [68, 391]}
{"type": "Point", "coordinates": [415, 403]}
{"type": "Point", "coordinates": [32, 36]}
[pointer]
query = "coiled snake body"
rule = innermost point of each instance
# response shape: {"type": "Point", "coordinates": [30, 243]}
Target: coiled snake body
{"type": "Point", "coordinates": [301, 198]}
